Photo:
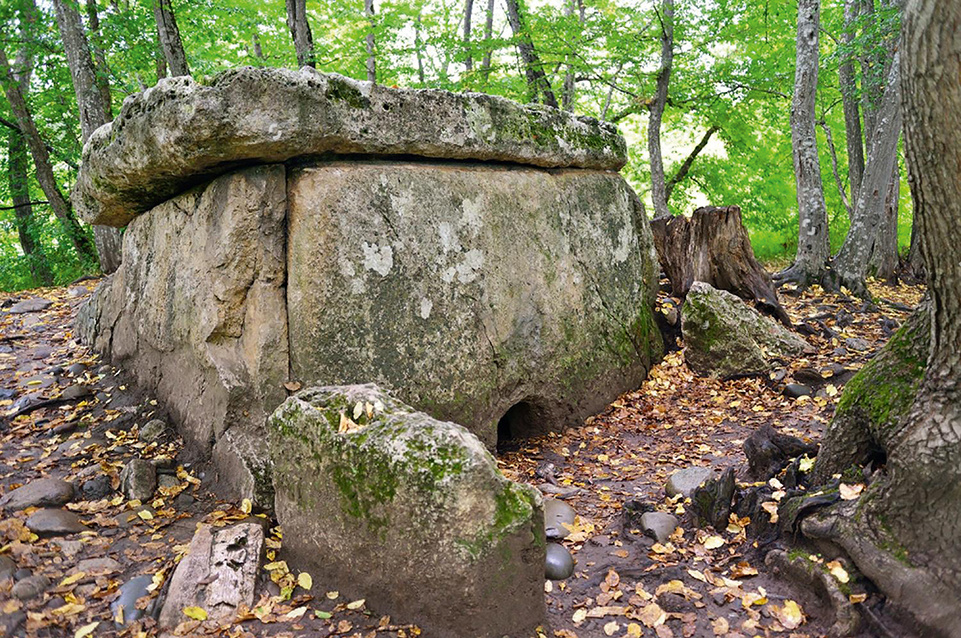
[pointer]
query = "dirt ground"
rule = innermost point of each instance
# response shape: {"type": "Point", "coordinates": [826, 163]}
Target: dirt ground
{"type": "Point", "coordinates": [65, 414]}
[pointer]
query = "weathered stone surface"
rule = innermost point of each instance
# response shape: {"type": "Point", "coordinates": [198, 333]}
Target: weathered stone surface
{"type": "Point", "coordinates": [243, 464]}
{"type": "Point", "coordinates": [218, 574]}
{"type": "Point", "coordinates": [420, 499]}
{"type": "Point", "coordinates": [468, 290]}
{"type": "Point", "coordinates": [197, 310]}
{"type": "Point", "coordinates": [44, 492]}
{"type": "Point", "coordinates": [687, 480]}
{"type": "Point", "coordinates": [660, 525]}
{"type": "Point", "coordinates": [54, 522]}
{"type": "Point", "coordinates": [179, 132]}
{"type": "Point", "coordinates": [34, 304]}
{"type": "Point", "coordinates": [558, 563]}
{"type": "Point", "coordinates": [124, 607]}
{"type": "Point", "coordinates": [30, 587]}
{"type": "Point", "coordinates": [724, 336]}
{"type": "Point", "coordinates": [138, 480]}
{"type": "Point", "coordinates": [556, 515]}
{"type": "Point", "coordinates": [152, 430]}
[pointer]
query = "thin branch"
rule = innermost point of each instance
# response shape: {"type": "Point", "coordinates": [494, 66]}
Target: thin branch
{"type": "Point", "coordinates": [834, 166]}
{"type": "Point", "coordinates": [24, 205]}
{"type": "Point", "coordinates": [686, 166]}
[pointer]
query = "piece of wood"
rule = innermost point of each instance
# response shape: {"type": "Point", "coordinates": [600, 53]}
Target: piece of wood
{"type": "Point", "coordinates": [713, 246]}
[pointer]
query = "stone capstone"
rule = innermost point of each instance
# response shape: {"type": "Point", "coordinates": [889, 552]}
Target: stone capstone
{"type": "Point", "coordinates": [218, 574]}
{"type": "Point", "coordinates": [687, 480]}
{"type": "Point", "coordinates": [362, 479]}
{"type": "Point", "coordinates": [180, 132]}
{"type": "Point", "coordinates": [44, 492]}
{"type": "Point", "coordinates": [724, 336]}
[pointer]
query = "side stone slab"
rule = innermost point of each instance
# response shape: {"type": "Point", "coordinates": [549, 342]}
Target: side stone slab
{"type": "Point", "coordinates": [197, 311]}
{"type": "Point", "coordinates": [408, 512]}
{"type": "Point", "coordinates": [468, 289]}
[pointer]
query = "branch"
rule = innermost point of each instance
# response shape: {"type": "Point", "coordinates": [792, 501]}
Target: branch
{"type": "Point", "coordinates": [686, 166]}
{"type": "Point", "coordinates": [23, 205]}
{"type": "Point", "coordinates": [834, 166]}
{"type": "Point", "coordinates": [13, 127]}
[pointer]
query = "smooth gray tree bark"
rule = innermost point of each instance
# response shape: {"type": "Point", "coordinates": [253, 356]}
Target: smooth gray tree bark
{"type": "Point", "coordinates": [488, 48]}
{"type": "Point", "coordinates": [371, 42]}
{"type": "Point", "coordinates": [537, 81]}
{"type": "Point", "coordinates": [570, 85]}
{"type": "Point", "coordinates": [468, 21]}
{"type": "Point", "coordinates": [849, 102]}
{"type": "Point", "coordinates": [813, 248]}
{"type": "Point", "coordinates": [100, 60]}
{"type": "Point", "coordinates": [300, 33]}
{"type": "Point", "coordinates": [656, 111]}
{"type": "Point", "coordinates": [170, 41]}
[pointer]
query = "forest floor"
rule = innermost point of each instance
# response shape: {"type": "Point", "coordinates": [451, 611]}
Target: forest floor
{"type": "Point", "coordinates": [79, 420]}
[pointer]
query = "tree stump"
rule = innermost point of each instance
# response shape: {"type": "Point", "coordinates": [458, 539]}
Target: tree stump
{"type": "Point", "coordinates": [713, 246]}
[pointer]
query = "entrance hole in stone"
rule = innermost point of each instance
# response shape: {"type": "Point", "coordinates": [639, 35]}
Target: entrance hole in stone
{"type": "Point", "coordinates": [522, 421]}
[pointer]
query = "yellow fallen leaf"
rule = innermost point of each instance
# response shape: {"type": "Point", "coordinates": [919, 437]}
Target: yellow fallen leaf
{"type": "Point", "coordinates": [304, 580]}
{"type": "Point", "coordinates": [634, 631]}
{"type": "Point", "coordinates": [246, 506]}
{"type": "Point", "coordinates": [806, 464]}
{"type": "Point", "coordinates": [652, 615]}
{"type": "Point", "coordinates": [831, 390]}
{"type": "Point", "coordinates": [857, 598]}
{"type": "Point", "coordinates": [355, 605]}
{"type": "Point", "coordinates": [713, 542]}
{"type": "Point", "coordinates": [579, 616]}
{"type": "Point", "coordinates": [789, 614]}
{"type": "Point", "coordinates": [280, 565]}
{"type": "Point", "coordinates": [358, 410]}
{"type": "Point", "coordinates": [838, 571]}
{"type": "Point", "coordinates": [86, 630]}
{"type": "Point", "coordinates": [195, 612]}
{"type": "Point", "coordinates": [697, 575]}
{"type": "Point", "coordinates": [720, 626]}
{"type": "Point", "coordinates": [70, 580]}
{"type": "Point", "coordinates": [610, 628]}
{"type": "Point", "coordinates": [850, 492]}
{"type": "Point", "coordinates": [294, 614]}
{"type": "Point", "coordinates": [145, 515]}
{"type": "Point", "coordinates": [333, 595]}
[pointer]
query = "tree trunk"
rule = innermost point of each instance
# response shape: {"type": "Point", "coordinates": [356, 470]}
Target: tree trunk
{"type": "Point", "coordinates": [18, 176]}
{"type": "Point", "coordinates": [100, 61]}
{"type": "Point", "coordinates": [371, 43]}
{"type": "Point", "coordinates": [883, 263]}
{"type": "Point", "coordinates": [300, 33]}
{"type": "Point", "coordinates": [170, 42]}
{"type": "Point", "coordinates": [813, 249]}
{"type": "Point", "coordinates": [93, 113]}
{"type": "Point", "coordinates": [468, 54]}
{"type": "Point", "coordinates": [537, 81]}
{"type": "Point", "coordinates": [419, 46]}
{"type": "Point", "coordinates": [905, 532]}
{"type": "Point", "coordinates": [850, 266]}
{"type": "Point", "coordinates": [849, 100]}
{"type": "Point", "coordinates": [160, 62]}
{"type": "Point", "coordinates": [255, 47]}
{"type": "Point", "coordinates": [42, 166]}
{"type": "Point", "coordinates": [713, 246]}
{"type": "Point", "coordinates": [488, 49]}
{"type": "Point", "coordinates": [570, 85]}
{"type": "Point", "coordinates": [656, 110]}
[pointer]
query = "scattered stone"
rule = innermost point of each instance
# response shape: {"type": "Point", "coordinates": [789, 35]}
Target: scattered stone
{"type": "Point", "coordinates": [556, 515]}
{"type": "Point", "coordinates": [726, 337]}
{"type": "Point", "coordinates": [559, 491]}
{"type": "Point", "coordinates": [352, 493]}
{"type": "Point", "coordinates": [559, 564]}
{"type": "Point", "coordinates": [166, 481]}
{"type": "Point", "coordinates": [7, 567]}
{"type": "Point", "coordinates": [687, 480]}
{"type": "Point", "coordinates": [77, 369]}
{"type": "Point", "coordinates": [184, 499]}
{"type": "Point", "coordinates": [152, 431]}
{"type": "Point", "coordinates": [97, 566]}
{"type": "Point", "coordinates": [75, 391]}
{"type": "Point", "coordinates": [22, 573]}
{"type": "Point", "coordinates": [130, 592]}
{"type": "Point", "coordinates": [77, 291]}
{"type": "Point", "coordinates": [44, 492]}
{"type": "Point", "coordinates": [96, 488]}
{"type": "Point", "coordinates": [30, 587]}
{"type": "Point", "coordinates": [218, 574]}
{"type": "Point", "coordinates": [857, 344]}
{"type": "Point", "coordinates": [7, 393]}
{"type": "Point", "coordinates": [659, 525]}
{"type": "Point", "coordinates": [54, 522]}
{"type": "Point", "coordinates": [68, 547]}
{"type": "Point", "coordinates": [711, 501]}
{"type": "Point", "coordinates": [769, 451]}
{"type": "Point", "coordinates": [35, 304]}
{"type": "Point", "coordinates": [9, 623]}
{"type": "Point", "coordinates": [138, 480]}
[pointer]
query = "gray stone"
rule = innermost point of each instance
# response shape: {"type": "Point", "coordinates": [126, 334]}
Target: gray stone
{"type": "Point", "coordinates": [420, 499]}
{"type": "Point", "coordinates": [795, 390]}
{"type": "Point", "coordinates": [76, 369]}
{"type": "Point", "coordinates": [556, 515]}
{"type": "Point", "coordinates": [857, 344]}
{"type": "Point", "coordinates": [44, 492]}
{"type": "Point", "coordinates": [34, 304]}
{"type": "Point", "coordinates": [687, 480]}
{"type": "Point", "coordinates": [75, 391]}
{"type": "Point", "coordinates": [152, 430]}
{"type": "Point", "coordinates": [30, 587]}
{"type": "Point", "coordinates": [174, 134]}
{"type": "Point", "coordinates": [167, 481]}
{"type": "Point", "coordinates": [68, 547]}
{"type": "Point", "coordinates": [724, 336]}
{"type": "Point", "coordinates": [130, 592]}
{"type": "Point", "coordinates": [244, 467]}
{"type": "Point", "coordinates": [9, 623]}
{"type": "Point", "coordinates": [96, 488]}
{"type": "Point", "coordinates": [218, 574]}
{"type": "Point", "coordinates": [7, 567]}
{"type": "Point", "coordinates": [660, 525]}
{"type": "Point", "coordinates": [97, 566]}
{"type": "Point", "coordinates": [469, 292]}
{"type": "Point", "coordinates": [138, 480]}
{"type": "Point", "coordinates": [54, 522]}
{"type": "Point", "coordinates": [77, 291]}
{"type": "Point", "coordinates": [559, 564]}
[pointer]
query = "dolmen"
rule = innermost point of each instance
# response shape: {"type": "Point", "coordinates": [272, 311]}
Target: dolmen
{"type": "Point", "coordinates": [482, 262]}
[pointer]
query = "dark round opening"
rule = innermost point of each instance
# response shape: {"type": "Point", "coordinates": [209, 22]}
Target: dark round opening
{"type": "Point", "coordinates": [520, 422]}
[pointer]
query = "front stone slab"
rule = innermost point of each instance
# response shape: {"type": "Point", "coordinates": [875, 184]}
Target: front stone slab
{"type": "Point", "coordinates": [469, 289]}
{"type": "Point", "coordinates": [411, 513]}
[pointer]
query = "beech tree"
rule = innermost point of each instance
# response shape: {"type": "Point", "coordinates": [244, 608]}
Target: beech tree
{"type": "Point", "coordinates": [300, 32]}
{"type": "Point", "coordinates": [537, 81]}
{"type": "Point", "coordinates": [170, 42]}
{"type": "Point", "coordinates": [656, 110]}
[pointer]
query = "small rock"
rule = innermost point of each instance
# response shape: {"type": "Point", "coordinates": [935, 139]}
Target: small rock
{"type": "Point", "coordinates": [45, 492]}
{"type": "Point", "coordinates": [559, 562]}
{"type": "Point", "coordinates": [7, 393]}
{"type": "Point", "coordinates": [558, 491]}
{"type": "Point", "coordinates": [105, 565]}
{"type": "Point", "coordinates": [184, 499]}
{"type": "Point", "coordinates": [30, 588]}
{"type": "Point", "coordinates": [556, 515]}
{"type": "Point", "coordinates": [75, 391]}
{"type": "Point", "coordinates": [687, 480]}
{"type": "Point", "coordinates": [53, 522]}
{"type": "Point", "coordinates": [7, 567]}
{"type": "Point", "coordinates": [795, 390]}
{"type": "Point", "coordinates": [129, 593]}
{"type": "Point", "coordinates": [103, 397]}
{"type": "Point", "coordinates": [96, 488]}
{"type": "Point", "coordinates": [77, 291]}
{"type": "Point", "coordinates": [9, 623]}
{"type": "Point", "coordinates": [35, 304]}
{"type": "Point", "coordinates": [69, 548]}
{"type": "Point", "coordinates": [167, 481]}
{"type": "Point", "coordinates": [22, 573]}
{"type": "Point", "coordinates": [152, 430]}
{"type": "Point", "coordinates": [660, 525]}
{"type": "Point", "coordinates": [77, 369]}
{"type": "Point", "coordinates": [719, 597]}
{"type": "Point", "coordinates": [138, 480]}
{"type": "Point", "coordinates": [55, 602]}
{"type": "Point", "coordinates": [856, 344]}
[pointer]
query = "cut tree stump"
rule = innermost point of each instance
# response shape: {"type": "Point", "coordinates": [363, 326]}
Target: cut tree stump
{"type": "Point", "coordinates": [713, 246]}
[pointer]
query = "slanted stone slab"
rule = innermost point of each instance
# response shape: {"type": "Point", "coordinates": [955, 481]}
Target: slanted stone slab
{"type": "Point", "coordinates": [725, 337]}
{"type": "Point", "coordinates": [218, 574]}
{"type": "Point", "coordinates": [180, 132]}
{"type": "Point", "coordinates": [43, 492]}
{"type": "Point", "coordinates": [381, 502]}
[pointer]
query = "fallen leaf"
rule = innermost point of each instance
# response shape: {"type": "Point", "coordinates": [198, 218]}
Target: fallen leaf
{"type": "Point", "coordinates": [86, 630]}
{"type": "Point", "coordinates": [610, 628]}
{"type": "Point", "coordinates": [850, 492]}
{"type": "Point", "coordinates": [579, 616]}
{"type": "Point", "coordinates": [720, 626]}
{"type": "Point", "coordinates": [838, 571]}
{"type": "Point", "coordinates": [195, 612]}
{"type": "Point", "coordinates": [634, 631]}
{"type": "Point", "coordinates": [355, 605]}
{"type": "Point", "coordinates": [789, 614]}
{"type": "Point", "coordinates": [713, 542]}
{"type": "Point", "coordinates": [304, 580]}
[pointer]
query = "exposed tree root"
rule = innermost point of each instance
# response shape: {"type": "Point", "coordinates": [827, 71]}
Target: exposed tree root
{"type": "Point", "coordinates": [847, 620]}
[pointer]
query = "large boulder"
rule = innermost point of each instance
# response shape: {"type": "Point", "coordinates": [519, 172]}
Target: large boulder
{"type": "Point", "coordinates": [411, 513]}
{"type": "Point", "coordinates": [180, 132]}
{"type": "Point", "coordinates": [725, 337]}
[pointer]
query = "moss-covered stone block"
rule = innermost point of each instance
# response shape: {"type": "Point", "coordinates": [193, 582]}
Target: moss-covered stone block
{"type": "Point", "coordinates": [385, 503]}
